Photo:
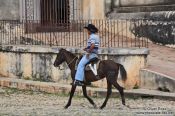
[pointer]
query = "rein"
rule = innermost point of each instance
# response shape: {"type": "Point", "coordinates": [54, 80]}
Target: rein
{"type": "Point", "coordinates": [68, 63]}
{"type": "Point", "coordinates": [71, 61]}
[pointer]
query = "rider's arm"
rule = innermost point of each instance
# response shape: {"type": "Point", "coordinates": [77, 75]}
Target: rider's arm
{"type": "Point", "coordinates": [85, 49]}
{"type": "Point", "coordinates": [91, 48]}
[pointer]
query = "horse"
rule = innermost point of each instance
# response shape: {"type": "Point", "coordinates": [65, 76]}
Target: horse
{"type": "Point", "coordinates": [107, 69]}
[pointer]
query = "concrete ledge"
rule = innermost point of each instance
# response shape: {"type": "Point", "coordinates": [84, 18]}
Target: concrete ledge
{"type": "Point", "coordinates": [102, 51]}
{"type": "Point", "coordinates": [154, 80]}
{"type": "Point", "coordinates": [36, 62]}
{"type": "Point", "coordinates": [150, 8]}
{"type": "Point", "coordinates": [97, 92]}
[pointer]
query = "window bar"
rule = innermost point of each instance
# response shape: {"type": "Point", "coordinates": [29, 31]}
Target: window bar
{"type": "Point", "coordinates": [126, 33]}
{"type": "Point", "coordinates": [130, 32]}
{"type": "Point", "coordinates": [108, 30]}
{"type": "Point", "coordinates": [122, 33]}
{"type": "Point", "coordinates": [138, 38]}
{"type": "Point", "coordinates": [135, 24]}
{"type": "Point", "coordinates": [1, 33]}
{"type": "Point", "coordinates": [105, 34]}
{"type": "Point", "coordinates": [73, 10]}
{"type": "Point", "coordinates": [61, 11]}
{"type": "Point", "coordinates": [102, 32]}
{"type": "Point", "coordinates": [111, 26]}
{"type": "Point", "coordinates": [118, 32]}
{"type": "Point", "coordinates": [68, 26]}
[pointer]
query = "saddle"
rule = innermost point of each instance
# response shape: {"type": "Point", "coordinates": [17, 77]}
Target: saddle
{"type": "Point", "coordinates": [91, 65]}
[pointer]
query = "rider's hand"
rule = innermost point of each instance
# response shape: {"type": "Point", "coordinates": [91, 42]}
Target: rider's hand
{"type": "Point", "coordinates": [87, 56]}
{"type": "Point", "coordinates": [85, 49]}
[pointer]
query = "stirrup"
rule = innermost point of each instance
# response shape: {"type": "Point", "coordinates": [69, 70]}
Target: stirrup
{"type": "Point", "coordinates": [78, 83]}
{"type": "Point", "coordinates": [87, 83]}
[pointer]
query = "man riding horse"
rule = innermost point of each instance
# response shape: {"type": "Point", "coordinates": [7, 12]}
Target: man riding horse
{"type": "Point", "coordinates": [107, 69]}
{"type": "Point", "coordinates": [91, 52]}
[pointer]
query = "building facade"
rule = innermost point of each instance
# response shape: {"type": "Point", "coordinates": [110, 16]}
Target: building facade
{"type": "Point", "coordinates": [77, 9]}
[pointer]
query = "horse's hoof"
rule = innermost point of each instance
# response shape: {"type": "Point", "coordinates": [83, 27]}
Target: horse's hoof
{"type": "Point", "coordinates": [95, 106]}
{"type": "Point", "coordinates": [102, 107]}
{"type": "Point", "coordinates": [123, 102]}
{"type": "Point", "coordinates": [127, 106]}
{"type": "Point", "coordinates": [65, 107]}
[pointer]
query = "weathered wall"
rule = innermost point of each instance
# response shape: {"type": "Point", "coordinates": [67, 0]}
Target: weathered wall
{"type": "Point", "coordinates": [9, 9]}
{"type": "Point", "coordinates": [153, 80]}
{"type": "Point", "coordinates": [14, 9]}
{"type": "Point", "coordinates": [161, 32]}
{"type": "Point", "coordinates": [93, 9]}
{"type": "Point", "coordinates": [124, 3]}
{"type": "Point", "coordinates": [37, 63]}
{"type": "Point", "coordinates": [137, 8]}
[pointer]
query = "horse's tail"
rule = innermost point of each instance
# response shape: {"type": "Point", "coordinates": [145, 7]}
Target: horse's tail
{"type": "Point", "coordinates": [123, 72]}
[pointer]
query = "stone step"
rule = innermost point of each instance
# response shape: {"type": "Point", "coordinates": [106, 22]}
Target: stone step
{"type": "Point", "coordinates": [145, 8]}
{"type": "Point", "coordinates": [51, 87]}
{"type": "Point", "coordinates": [157, 81]}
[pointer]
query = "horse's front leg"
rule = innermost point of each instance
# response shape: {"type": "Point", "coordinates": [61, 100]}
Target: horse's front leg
{"type": "Point", "coordinates": [86, 96]}
{"type": "Point", "coordinates": [71, 95]}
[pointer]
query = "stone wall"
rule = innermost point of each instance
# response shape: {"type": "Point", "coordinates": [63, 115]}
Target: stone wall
{"type": "Point", "coordinates": [15, 9]}
{"type": "Point", "coordinates": [126, 3]}
{"type": "Point", "coordinates": [136, 8]}
{"type": "Point", "coordinates": [36, 63]}
{"type": "Point", "coordinates": [9, 9]}
{"type": "Point", "coordinates": [161, 32]}
{"type": "Point", "coordinates": [93, 9]}
{"type": "Point", "coordinates": [157, 81]}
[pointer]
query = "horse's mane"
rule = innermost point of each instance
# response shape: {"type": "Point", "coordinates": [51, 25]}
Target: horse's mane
{"type": "Point", "coordinates": [70, 53]}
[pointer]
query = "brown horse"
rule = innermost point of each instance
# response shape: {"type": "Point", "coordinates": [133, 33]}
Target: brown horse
{"type": "Point", "coordinates": [107, 68]}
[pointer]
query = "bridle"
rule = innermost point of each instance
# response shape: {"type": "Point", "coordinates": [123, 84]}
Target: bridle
{"type": "Point", "coordinates": [71, 61]}
{"type": "Point", "coordinates": [68, 63]}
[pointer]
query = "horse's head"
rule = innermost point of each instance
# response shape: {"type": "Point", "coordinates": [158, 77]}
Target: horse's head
{"type": "Point", "coordinates": [60, 58]}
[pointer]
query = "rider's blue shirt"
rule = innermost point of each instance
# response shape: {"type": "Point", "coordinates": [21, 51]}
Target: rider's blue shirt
{"type": "Point", "coordinates": [94, 38]}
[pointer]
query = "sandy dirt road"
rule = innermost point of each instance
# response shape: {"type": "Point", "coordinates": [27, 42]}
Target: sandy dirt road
{"type": "Point", "coordinates": [27, 103]}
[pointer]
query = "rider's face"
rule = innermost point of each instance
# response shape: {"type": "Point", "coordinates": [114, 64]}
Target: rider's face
{"type": "Point", "coordinates": [88, 32]}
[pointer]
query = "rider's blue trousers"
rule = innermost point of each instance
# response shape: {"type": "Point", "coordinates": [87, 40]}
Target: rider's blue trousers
{"type": "Point", "coordinates": [81, 66]}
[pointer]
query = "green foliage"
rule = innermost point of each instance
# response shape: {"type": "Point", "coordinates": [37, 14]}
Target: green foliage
{"type": "Point", "coordinates": [42, 78]}
{"type": "Point", "coordinates": [136, 86]}
{"type": "Point", "coordinates": [27, 78]}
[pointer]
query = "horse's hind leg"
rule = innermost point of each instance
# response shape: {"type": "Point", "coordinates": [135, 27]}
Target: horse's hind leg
{"type": "Point", "coordinates": [71, 95]}
{"type": "Point", "coordinates": [120, 89]}
{"type": "Point", "coordinates": [86, 96]}
{"type": "Point", "coordinates": [109, 91]}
